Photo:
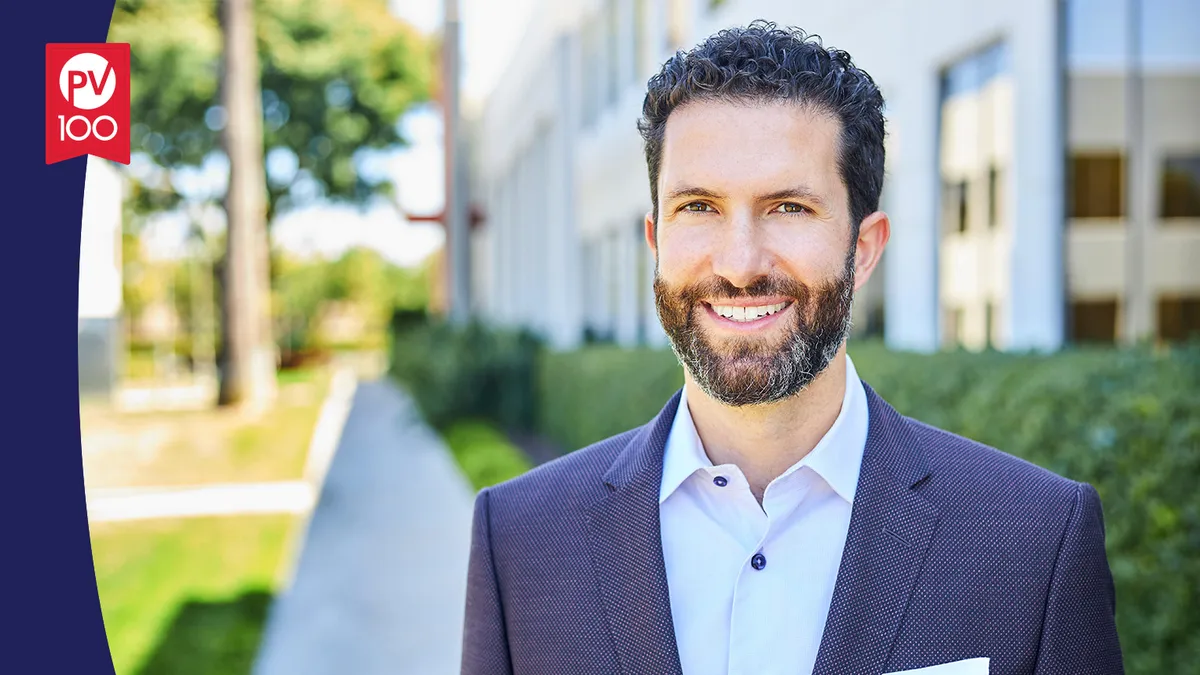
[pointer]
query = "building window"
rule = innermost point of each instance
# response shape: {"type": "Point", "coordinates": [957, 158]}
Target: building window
{"type": "Point", "coordinates": [954, 205]}
{"type": "Point", "coordinates": [1179, 318]}
{"type": "Point", "coordinates": [1094, 321]}
{"type": "Point", "coordinates": [993, 196]}
{"type": "Point", "coordinates": [1180, 189]}
{"type": "Point", "coordinates": [1097, 185]}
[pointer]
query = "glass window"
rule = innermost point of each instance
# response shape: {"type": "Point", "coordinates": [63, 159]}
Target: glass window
{"type": "Point", "coordinates": [994, 196]}
{"type": "Point", "coordinates": [1097, 185]}
{"type": "Point", "coordinates": [1094, 321]}
{"type": "Point", "coordinates": [975, 71]}
{"type": "Point", "coordinates": [1099, 32]}
{"type": "Point", "coordinates": [1179, 318]}
{"type": "Point", "coordinates": [954, 206]}
{"type": "Point", "coordinates": [1180, 188]}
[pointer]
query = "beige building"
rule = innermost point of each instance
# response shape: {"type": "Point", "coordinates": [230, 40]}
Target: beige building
{"type": "Point", "coordinates": [1044, 187]}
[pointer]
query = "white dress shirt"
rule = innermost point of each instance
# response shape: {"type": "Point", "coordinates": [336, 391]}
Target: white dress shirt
{"type": "Point", "coordinates": [730, 616]}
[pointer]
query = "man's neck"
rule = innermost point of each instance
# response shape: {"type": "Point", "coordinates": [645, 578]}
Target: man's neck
{"type": "Point", "coordinates": [763, 441]}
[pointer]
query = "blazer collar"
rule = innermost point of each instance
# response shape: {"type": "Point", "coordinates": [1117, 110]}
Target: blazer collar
{"type": "Point", "coordinates": [891, 528]}
{"type": "Point", "coordinates": [626, 548]}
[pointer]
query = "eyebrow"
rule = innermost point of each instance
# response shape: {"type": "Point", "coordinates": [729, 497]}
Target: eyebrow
{"type": "Point", "coordinates": [692, 191]}
{"type": "Point", "coordinates": [800, 192]}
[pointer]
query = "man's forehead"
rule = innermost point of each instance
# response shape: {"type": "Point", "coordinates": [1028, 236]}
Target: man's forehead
{"type": "Point", "coordinates": [747, 144]}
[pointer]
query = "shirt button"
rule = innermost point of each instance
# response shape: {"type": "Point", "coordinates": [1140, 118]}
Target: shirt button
{"type": "Point", "coordinates": [721, 481]}
{"type": "Point", "coordinates": [759, 561]}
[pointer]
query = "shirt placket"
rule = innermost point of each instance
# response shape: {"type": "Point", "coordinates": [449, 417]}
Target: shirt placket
{"type": "Point", "coordinates": [752, 634]}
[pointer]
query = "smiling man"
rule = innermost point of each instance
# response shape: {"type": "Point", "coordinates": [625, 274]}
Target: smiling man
{"type": "Point", "coordinates": [777, 515]}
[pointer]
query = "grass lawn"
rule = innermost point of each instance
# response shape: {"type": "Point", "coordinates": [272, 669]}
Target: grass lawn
{"type": "Point", "coordinates": [206, 446]}
{"type": "Point", "coordinates": [484, 454]}
{"type": "Point", "coordinates": [189, 597]}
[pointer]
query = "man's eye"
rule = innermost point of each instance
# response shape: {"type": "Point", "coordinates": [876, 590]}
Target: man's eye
{"type": "Point", "coordinates": [698, 207]}
{"type": "Point", "coordinates": [791, 207]}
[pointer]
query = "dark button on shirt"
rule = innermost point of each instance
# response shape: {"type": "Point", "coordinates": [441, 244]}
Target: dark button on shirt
{"type": "Point", "coordinates": [721, 481]}
{"type": "Point", "coordinates": [759, 561]}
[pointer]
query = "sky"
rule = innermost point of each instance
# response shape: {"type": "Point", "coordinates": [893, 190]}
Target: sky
{"type": "Point", "coordinates": [490, 31]}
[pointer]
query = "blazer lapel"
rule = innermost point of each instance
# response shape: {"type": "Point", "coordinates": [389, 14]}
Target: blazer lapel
{"type": "Point", "coordinates": [626, 550]}
{"type": "Point", "coordinates": [891, 526]}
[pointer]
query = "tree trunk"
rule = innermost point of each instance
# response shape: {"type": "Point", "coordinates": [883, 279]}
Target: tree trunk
{"type": "Point", "coordinates": [248, 376]}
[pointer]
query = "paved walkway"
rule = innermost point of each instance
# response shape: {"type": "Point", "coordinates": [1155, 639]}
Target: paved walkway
{"type": "Point", "coordinates": [380, 583]}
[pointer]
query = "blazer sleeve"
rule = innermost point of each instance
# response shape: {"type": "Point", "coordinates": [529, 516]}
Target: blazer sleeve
{"type": "Point", "coordinates": [485, 642]}
{"type": "Point", "coordinates": [1079, 632]}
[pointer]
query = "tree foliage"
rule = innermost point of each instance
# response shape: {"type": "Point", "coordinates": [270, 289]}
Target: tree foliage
{"type": "Point", "coordinates": [336, 78]}
{"type": "Point", "coordinates": [360, 278]}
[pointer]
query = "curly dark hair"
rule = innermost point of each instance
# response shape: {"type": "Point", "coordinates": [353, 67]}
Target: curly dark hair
{"type": "Point", "coordinates": [763, 63]}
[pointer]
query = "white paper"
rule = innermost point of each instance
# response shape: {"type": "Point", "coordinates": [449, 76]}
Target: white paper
{"type": "Point", "coordinates": [977, 666]}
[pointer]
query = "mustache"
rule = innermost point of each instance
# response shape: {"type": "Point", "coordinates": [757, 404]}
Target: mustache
{"type": "Point", "coordinates": [766, 286]}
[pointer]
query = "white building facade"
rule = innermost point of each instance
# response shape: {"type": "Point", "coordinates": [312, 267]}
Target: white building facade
{"type": "Point", "coordinates": [1043, 186]}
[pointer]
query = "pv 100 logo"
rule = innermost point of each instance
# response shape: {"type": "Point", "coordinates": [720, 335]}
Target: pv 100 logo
{"type": "Point", "coordinates": [87, 101]}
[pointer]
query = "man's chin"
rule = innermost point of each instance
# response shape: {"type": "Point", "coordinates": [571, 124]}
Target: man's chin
{"type": "Point", "coordinates": [749, 349]}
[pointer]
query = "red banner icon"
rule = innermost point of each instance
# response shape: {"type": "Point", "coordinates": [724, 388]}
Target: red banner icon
{"type": "Point", "coordinates": [87, 101]}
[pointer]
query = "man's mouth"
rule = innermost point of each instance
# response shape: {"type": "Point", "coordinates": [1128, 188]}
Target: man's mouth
{"type": "Point", "coordinates": [747, 316]}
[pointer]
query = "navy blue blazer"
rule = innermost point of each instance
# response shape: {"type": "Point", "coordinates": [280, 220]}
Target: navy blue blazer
{"type": "Point", "coordinates": [955, 550]}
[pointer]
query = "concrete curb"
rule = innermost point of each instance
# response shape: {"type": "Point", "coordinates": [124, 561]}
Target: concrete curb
{"type": "Point", "coordinates": [292, 497]}
{"type": "Point", "coordinates": [227, 499]}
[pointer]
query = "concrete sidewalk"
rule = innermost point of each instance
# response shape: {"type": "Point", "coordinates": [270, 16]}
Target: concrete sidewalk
{"type": "Point", "coordinates": [380, 584]}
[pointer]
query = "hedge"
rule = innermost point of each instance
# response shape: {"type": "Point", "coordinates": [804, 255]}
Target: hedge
{"type": "Point", "coordinates": [1126, 421]}
{"type": "Point", "coordinates": [587, 395]}
{"type": "Point", "coordinates": [465, 372]}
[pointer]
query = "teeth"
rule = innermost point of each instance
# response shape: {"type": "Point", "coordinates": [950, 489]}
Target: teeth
{"type": "Point", "coordinates": [743, 314]}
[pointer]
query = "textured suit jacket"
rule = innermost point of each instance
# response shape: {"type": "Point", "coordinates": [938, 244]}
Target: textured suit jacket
{"type": "Point", "coordinates": [955, 550]}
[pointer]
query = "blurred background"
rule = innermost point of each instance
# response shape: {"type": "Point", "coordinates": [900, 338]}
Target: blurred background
{"type": "Point", "coordinates": [370, 257]}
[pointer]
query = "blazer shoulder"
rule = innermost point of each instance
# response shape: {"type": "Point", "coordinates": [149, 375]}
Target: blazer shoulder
{"type": "Point", "coordinates": [982, 469]}
{"type": "Point", "coordinates": [562, 482]}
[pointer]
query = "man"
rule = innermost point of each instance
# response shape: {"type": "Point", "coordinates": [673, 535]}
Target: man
{"type": "Point", "coordinates": [777, 515]}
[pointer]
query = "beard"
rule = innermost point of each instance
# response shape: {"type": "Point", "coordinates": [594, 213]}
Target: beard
{"type": "Point", "coordinates": [755, 370]}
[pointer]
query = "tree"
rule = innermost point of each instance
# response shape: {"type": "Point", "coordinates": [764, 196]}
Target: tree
{"type": "Point", "coordinates": [249, 372]}
{"type": "Point", "coordinates": [335, 78]}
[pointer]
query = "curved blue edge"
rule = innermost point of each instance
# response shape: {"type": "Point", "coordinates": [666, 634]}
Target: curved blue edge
{"type": "Point", "coordinates": [49, 591]}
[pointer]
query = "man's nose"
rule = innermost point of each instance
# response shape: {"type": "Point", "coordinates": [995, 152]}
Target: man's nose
{"type": "Point", "coordinates": [740, 255]}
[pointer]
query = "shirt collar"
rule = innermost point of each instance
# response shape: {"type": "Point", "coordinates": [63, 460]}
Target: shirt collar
{"type": "Point", "coordinates": [836, 457]}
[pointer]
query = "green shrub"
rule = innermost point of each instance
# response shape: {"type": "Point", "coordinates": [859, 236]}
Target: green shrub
{"type": "Point", "coordinates": [1126, 421]}
{"type": "Point", "coordinates": [596, 392]}
{"type": "Point", "coordinates": [484, 453]}
{"type": "Point", "coordinates": [469, 371]}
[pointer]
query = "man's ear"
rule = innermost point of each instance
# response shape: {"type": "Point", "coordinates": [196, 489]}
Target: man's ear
{"type": "Point", "coordinates": [650, 234]}
{"type": "Point", "coordinates": [873, 235]}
